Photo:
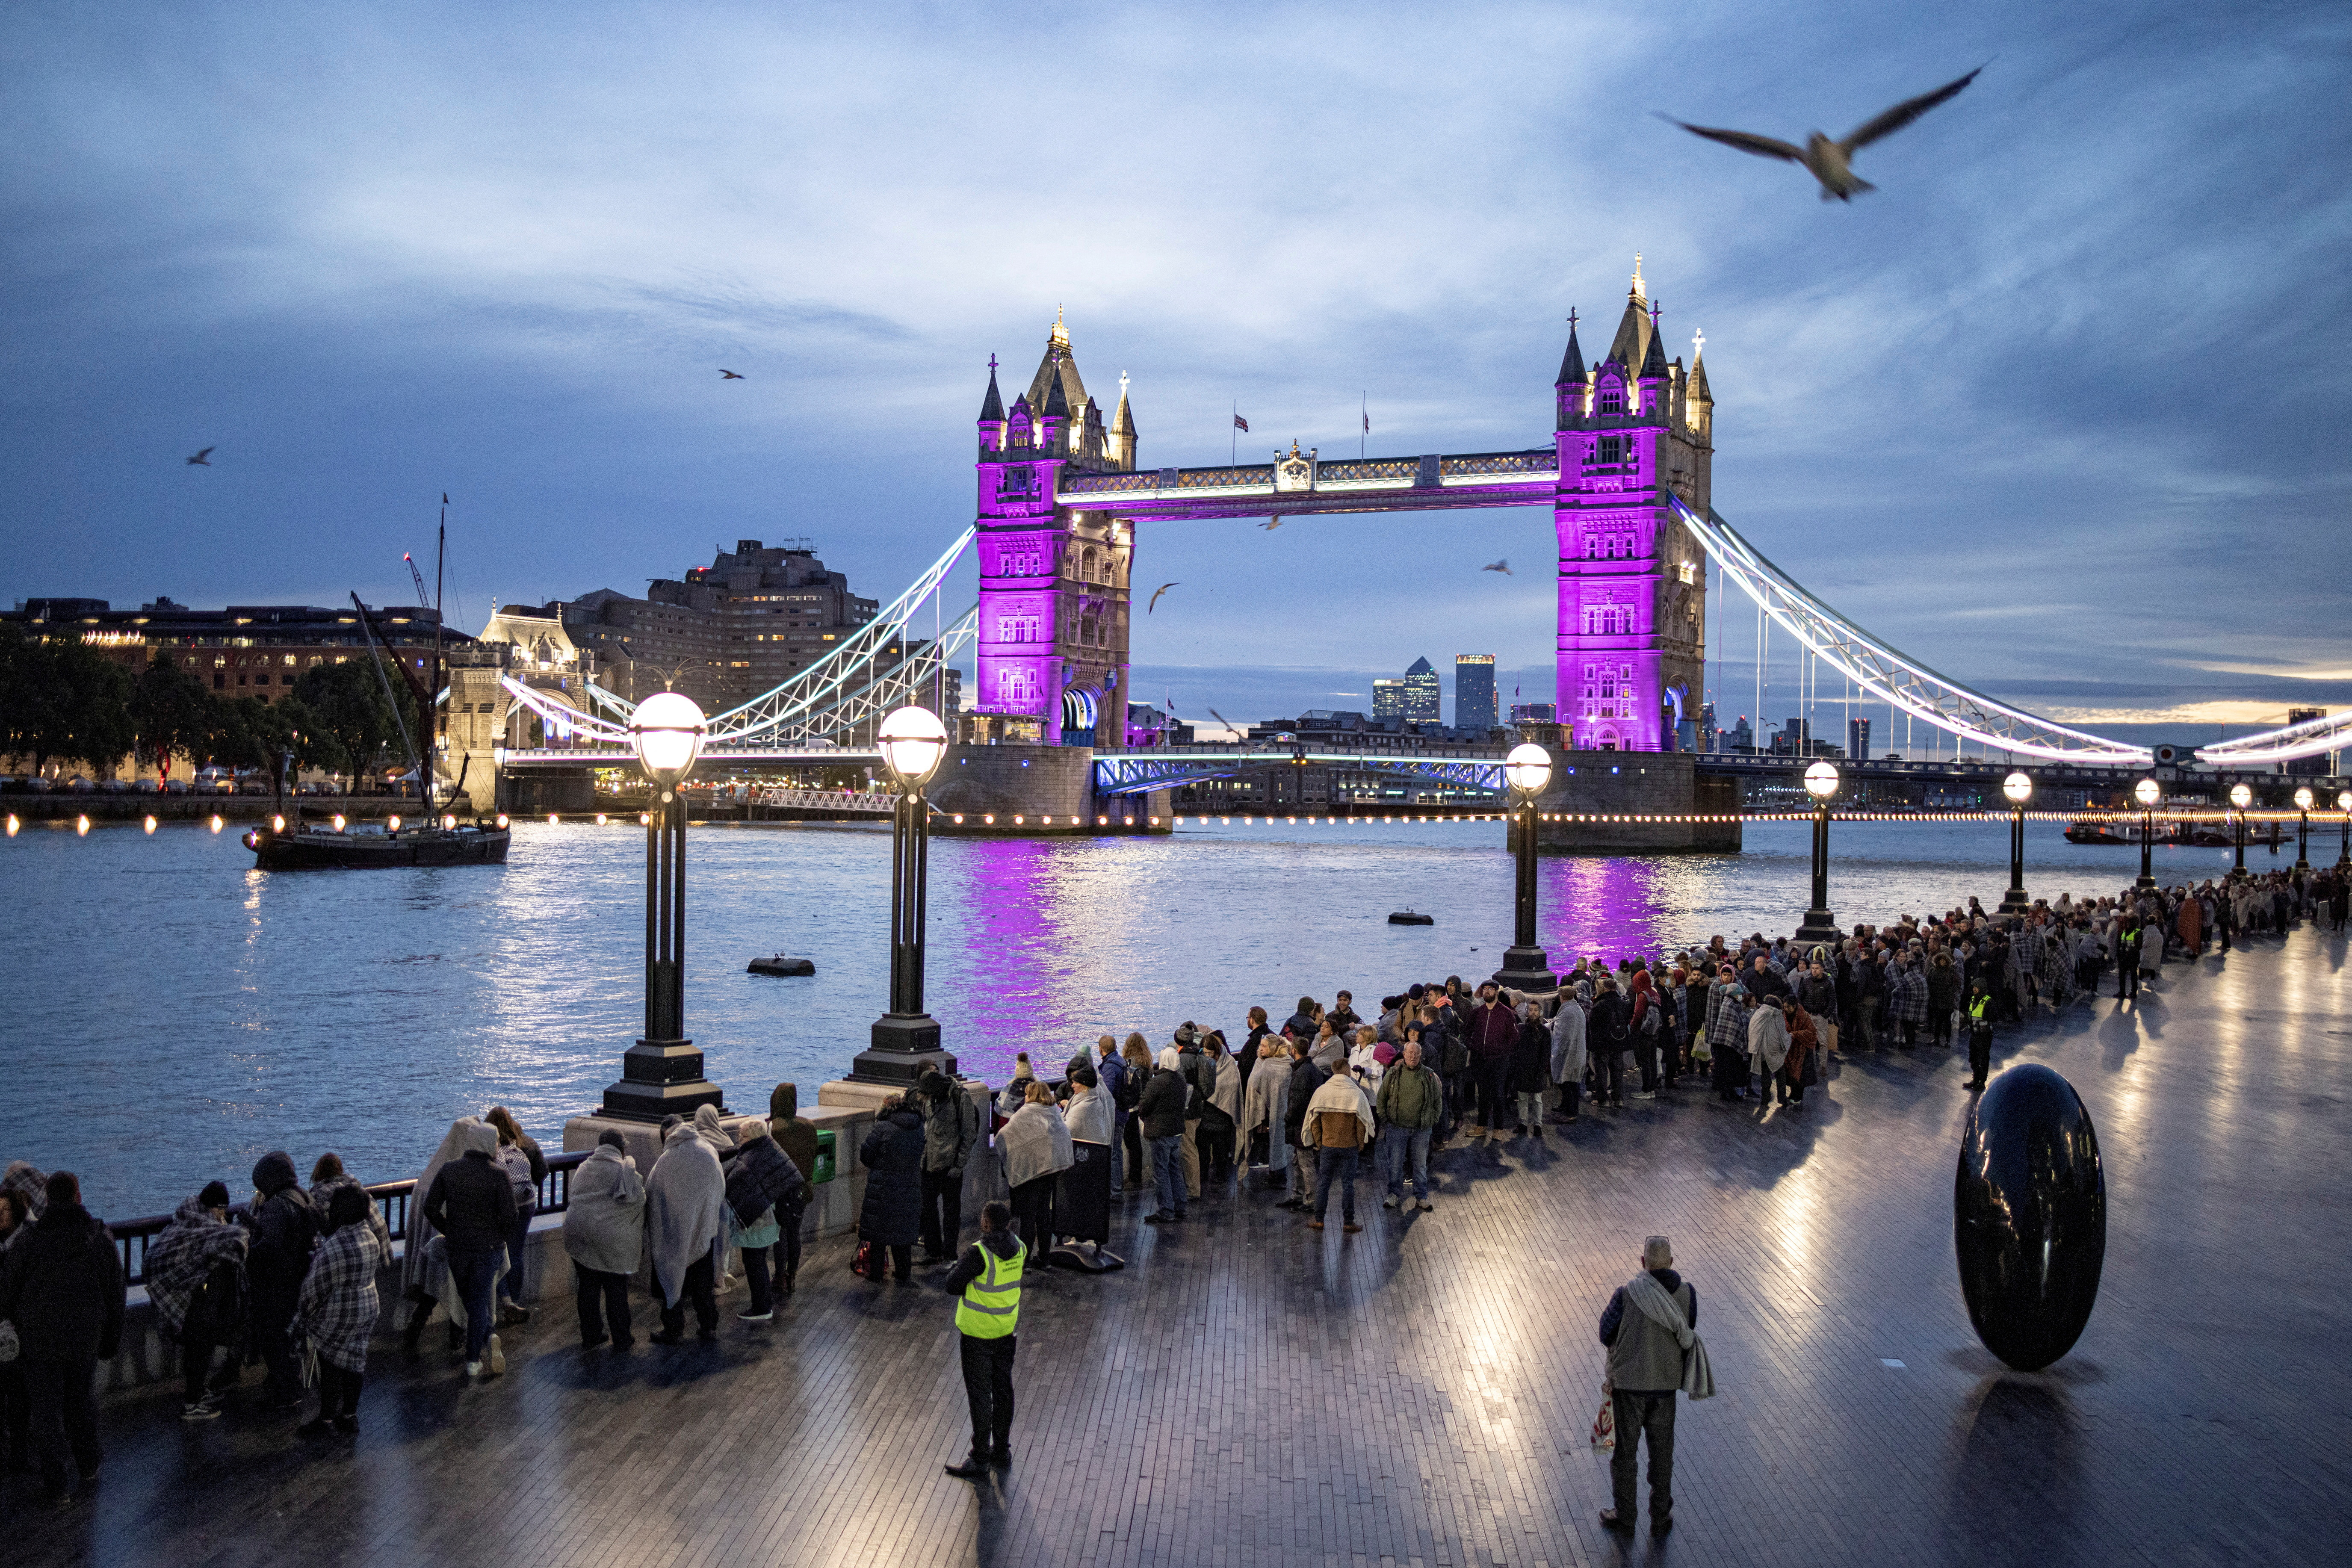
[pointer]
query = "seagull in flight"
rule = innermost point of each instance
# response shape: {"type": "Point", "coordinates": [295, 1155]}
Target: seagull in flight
{"type": "Point", "coordinates": [1155, 597]}
{"type": "Point", "coordinates": [1225, 721]}
{"type": "Point", "coordinates": [1271, 523]}
{"type": "Point", "coordinates": [729, 375]}
{"type": "Point", "coordinates": [203, 459]}
{"type": "Point", "coordinates": [1832, 163]}
{"type": "Point", "coordinates": [1503, 566]}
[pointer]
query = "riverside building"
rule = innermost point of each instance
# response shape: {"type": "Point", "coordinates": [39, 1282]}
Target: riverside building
{"type": "Point", "coordinates": [243, 650]}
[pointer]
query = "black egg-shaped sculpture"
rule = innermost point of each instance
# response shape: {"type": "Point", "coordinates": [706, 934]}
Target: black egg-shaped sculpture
{"type": "Point", "coordinates": [2029, 1216]}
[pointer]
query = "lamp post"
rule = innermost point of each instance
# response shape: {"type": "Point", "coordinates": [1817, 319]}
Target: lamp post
{"type": "Point", "coordinates": [2242, 797]}
{"type": "Point", "coordinates": [2017, 789]}
{"type": "Point", "coordinates": [499, 775]}
{"type": "Point", "coordinates": [661, 1075]}
{"type": "Point", "coordinates": [905, 1041]}
{"type": "Point", "coordinates": [2344, 805]}
{"type": "Point", "coordinates": [1821, 925]}
{"type": "Point", "coordinates": [2146, 792]}
{"type": "Point", "coordinates": [1525, 965]}
{"type": "Point", "coordinates": [2303, 801]}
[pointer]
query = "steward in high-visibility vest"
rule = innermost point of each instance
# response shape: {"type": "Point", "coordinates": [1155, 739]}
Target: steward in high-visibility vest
{"type": "Point", "coordinates": [1980, 1034]}
{"type": "Point", "coordinates": [986, 1283]}
{"type": "Point", "coordinates": [989, 1307]}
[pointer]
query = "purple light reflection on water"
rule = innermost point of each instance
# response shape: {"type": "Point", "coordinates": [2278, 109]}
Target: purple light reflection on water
{"type": "Point", "coordinates": [1010, 951]}
{"type": "Point", "coordinates": [360, 1011]}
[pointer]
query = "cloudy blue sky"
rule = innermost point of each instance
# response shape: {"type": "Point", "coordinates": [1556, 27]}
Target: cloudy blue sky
{"type": "Point", "coordinates": [2060, 409]}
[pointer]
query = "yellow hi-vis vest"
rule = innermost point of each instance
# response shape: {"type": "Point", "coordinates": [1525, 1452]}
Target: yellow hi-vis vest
{"type": "Point", "coordinates": [1977, 1007]}
{"type": "Point", "coordinates": [990, 1308]}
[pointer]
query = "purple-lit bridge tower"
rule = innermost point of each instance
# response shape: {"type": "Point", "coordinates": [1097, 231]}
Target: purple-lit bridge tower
{"type": "Point", "coordinates": [1060, 497]}
{"type": "Point", "coordinates": [1054, 576]}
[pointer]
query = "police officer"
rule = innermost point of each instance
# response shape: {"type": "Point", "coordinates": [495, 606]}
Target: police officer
{"type": "Point", "coordinates": [1980, 1033]}
{"type": "Point", "coordinates": [986, 1281]}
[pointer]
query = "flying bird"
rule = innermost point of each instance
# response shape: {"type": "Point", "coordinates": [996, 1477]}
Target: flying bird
{"type": "Point", "coordinates": [1155, 597]}
{"type": "Point", "coordinates": [1502, 566]}
{"type": "Point", "coordinates": [1225, 721]}
{"type": "Point", "coordinates": [1271, 523]}
{"type": "Point", "coordinates": [203, 459]}
{"type": "Point", "coordinates": [1832, 161]}
{"type": "Point", "coordinates": [729, 375]}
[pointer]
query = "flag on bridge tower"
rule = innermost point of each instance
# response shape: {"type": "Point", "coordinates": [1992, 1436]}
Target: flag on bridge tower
{"type": "Point", "coordinates": [1233, 442]}
{"type": "Point", "coordinates": [1239, 423]}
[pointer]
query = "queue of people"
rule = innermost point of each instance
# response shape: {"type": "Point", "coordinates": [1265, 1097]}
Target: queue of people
{"type": "Point", "coordinates": [288, 1279]}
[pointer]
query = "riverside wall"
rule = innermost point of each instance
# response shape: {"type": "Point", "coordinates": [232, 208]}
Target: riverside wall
{"type": "Point", "coordinates": [1636, 803]}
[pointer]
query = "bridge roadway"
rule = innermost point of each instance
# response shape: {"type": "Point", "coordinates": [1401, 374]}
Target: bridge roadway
{"type": "Point", "coordinates": [1249, 1392]}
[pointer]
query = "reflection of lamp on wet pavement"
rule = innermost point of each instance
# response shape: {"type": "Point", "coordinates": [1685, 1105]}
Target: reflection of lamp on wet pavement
{"type": "Point", "coordinates": [2147, 792]}
{"type": "Point", "coordinates": [1821, 925]}
{"type": "Point", "coordinates": [2017, 789]}
{"type": "Point", "coordinates": [1526, 966]}
{"type": "Point", "coordinates": [905, 1042]}
{"type": "Point", "coordinates": [2302, 798]}
{"type": "Point", "coordinates": [2240, 797]}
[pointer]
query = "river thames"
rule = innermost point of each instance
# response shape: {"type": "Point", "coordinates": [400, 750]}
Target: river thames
{"type": "Point", "coordinates": [174, 1013]}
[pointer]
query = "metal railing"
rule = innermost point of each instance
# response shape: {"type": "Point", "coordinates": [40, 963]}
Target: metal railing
{"type": "Point", "coordinates": [878, 803]}
{"type": "Point", "coordinates": [554, 1196]}
{"type": "Point", "coordinates": [1545, 460]}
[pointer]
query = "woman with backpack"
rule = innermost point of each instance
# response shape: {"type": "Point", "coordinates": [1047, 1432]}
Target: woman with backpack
{"type": "Point", "coordinates": [196, 1278]}
{"type": "Point", "coordinates": [339, 1310]}
{"type": "Point", "coordinates": [765, 1193]}
{"type": "Point", "coordinates": [285, 1228]}
{"type": "Point", "coordinates": [525, 1167]}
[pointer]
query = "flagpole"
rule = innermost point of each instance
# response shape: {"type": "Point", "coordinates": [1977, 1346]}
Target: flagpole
{"type": "Point", "coordinates": [1364, 434]}
{"type": "Point", "coordinates": [1232, 436]}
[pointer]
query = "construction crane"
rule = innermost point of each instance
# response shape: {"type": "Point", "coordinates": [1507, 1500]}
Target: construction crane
{"type": "Point", "coordinates": [417, 577]}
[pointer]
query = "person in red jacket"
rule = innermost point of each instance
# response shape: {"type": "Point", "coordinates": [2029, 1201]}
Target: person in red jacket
{"type": "Point", "coordinates": [1494, 1031]}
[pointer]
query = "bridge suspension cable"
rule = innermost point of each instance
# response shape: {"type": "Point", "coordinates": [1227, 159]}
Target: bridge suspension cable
{"type": "Point", "coordinates": [1892, 676]}
{"type": "Point", "coordinates": [845, 676]}
{"type": "Point", "coordinates": [2329, 732]}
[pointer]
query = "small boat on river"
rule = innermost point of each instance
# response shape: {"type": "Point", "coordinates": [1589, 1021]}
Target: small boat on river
{"type": "Point", "coordinates": [2125, 832]}
{"type": "Point", "coordinates": [1408, 918]}
{"type": "Point", "coordinates": [316, 847]}
{"type": "Point", "coordinates": [439, 838]}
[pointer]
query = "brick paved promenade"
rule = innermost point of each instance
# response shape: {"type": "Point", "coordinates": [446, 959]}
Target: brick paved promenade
{"type": "Point", "coordinates": [1250, 1393]}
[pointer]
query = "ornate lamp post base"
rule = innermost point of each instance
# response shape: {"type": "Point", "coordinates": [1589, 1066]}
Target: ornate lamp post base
{"type": "Point", "coordinates": [905, 1046]}
{"type": "Point", "coordinates": [1526, 968]}
{"type": "Point", "coordinates": [1821, 925]}
{"type": "Point", "coordinates": [658, 1078]}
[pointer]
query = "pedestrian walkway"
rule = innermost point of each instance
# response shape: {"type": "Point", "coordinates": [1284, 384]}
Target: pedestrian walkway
{"type": "Point", "coordinates": [1251, 1391]}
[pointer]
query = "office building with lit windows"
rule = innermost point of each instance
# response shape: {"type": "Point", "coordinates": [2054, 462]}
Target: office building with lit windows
{"type": "Point", "coordinates": [1474, 691]}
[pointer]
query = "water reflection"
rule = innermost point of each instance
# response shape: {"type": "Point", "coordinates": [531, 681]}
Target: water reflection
{"type": "Point", "coordinates": [362, 1013]}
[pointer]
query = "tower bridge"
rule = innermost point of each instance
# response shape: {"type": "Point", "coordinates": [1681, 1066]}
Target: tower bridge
{"type": "Point", "coordinates": [1627, 473]}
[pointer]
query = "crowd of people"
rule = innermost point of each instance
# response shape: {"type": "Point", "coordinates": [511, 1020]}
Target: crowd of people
{"type": "Point", "coordinates": [288, 1279]}
{"type": "Point", "coordinates": [1331, 1095]}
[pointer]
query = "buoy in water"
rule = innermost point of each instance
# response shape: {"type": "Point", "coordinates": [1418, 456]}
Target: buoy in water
{"type": "Point", "coordinates": [1408, 918]}
{"type": "Point", "coordinates": [782, 966]}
